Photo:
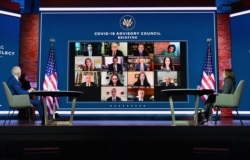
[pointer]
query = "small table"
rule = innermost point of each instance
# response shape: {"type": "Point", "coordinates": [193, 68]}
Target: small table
{"type": "Point", "coordinates": [53, 94]}
{"type": "Point", "coordinates": [196, 92]}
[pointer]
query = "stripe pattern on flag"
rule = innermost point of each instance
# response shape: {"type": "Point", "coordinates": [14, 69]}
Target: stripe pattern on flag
{"type": "Point", "coordinates": [208, 80]}
{"type": "Point", "coordinates": [50, 80]}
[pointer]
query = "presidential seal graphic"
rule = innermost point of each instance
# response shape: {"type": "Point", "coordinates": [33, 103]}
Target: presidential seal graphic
{"type": "Point", "coordinates": [127, 22]}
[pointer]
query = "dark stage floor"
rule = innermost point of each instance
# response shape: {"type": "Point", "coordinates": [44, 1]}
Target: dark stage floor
{"type": "Point", "coordinates": [151, 138]}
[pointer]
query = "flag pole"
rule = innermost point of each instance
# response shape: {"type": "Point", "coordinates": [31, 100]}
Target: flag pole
{"type": "Point", "coordinates": [208, 79]}
{"type": "Point", "coordinates": [52, 41]}
{"type": "Point", "coordinates": [50, 79]}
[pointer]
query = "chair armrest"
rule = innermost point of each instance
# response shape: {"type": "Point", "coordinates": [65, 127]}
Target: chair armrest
{"type": "Point", "coordinates": [21, 101]}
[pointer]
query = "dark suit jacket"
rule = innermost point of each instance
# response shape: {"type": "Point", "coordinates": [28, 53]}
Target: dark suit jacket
{"type": "Point", "coordinates": [169, 85]}
{"type": "Point", "coordinates": [111, 67]}
{"type": "Point", "coordinates": [138, 84]}
{"type": "Point", "coordinates": [118, 53]}
{"type": "Point", "coordinates": [116, 99]}
{"type": "Point", "coordinates": [15, 86]}
{"type": "Point", "coordinates": [92, 84]}
{"type": "Point", "coordinates": [144, 53]}
{"type": "Point", "coordinates": [86, 53]}
{"type": "Point", "coordinates": [228, 86]}
{"type": "Point", "coordinates": [144, 99]}
{"type": "Point", "coordinates": [138, 67]}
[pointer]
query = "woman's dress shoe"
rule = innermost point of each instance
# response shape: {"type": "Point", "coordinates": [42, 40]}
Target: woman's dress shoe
{"type": "Point", "coordinates": [202, 118]}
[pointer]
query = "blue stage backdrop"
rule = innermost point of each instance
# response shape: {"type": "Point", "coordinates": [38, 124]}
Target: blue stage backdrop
{"type": "Point", "coordinates": [156, 28]}
{"type": "Point", "coordinates": [9, 48]}
{"type": "Point", "coordinates": [240, 35]}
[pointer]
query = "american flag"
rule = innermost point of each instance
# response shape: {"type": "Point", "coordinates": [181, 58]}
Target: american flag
{"type": "Point", "coordinates": [50, 80]}
{"type": "Point", "coordinates": [207, 80]}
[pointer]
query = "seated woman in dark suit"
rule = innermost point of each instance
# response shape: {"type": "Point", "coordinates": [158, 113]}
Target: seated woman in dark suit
{"type": "Point", "coordinates": [167, 64]}
{"type": "Point", "coordinates": [227, 88]}
{"type": "Point", "coordinates": [142, 80]}
{"type": "Point", "coordinates": [115, 81]}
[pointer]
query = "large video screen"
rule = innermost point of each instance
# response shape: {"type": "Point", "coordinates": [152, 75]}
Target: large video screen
{"type": "Point", "coordinates": [127, 71]}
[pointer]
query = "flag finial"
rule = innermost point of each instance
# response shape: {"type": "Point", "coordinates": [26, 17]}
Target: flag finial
{"type": "Point", "coordinates": [52, 40]}
{"type": "Point", "coordinates": [209, 39]}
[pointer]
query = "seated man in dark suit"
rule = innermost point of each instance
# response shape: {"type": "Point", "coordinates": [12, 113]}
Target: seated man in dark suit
{"type": "Point", "coordinates": [90, 51]}
{"type": "Point", "coordinates": [113, 96]}
{"type": "Point", "coordinates": [169, 82]}
{"type": "Point", "coordinates": [141, 51]}
{"type": "Point", "coordinates": [88, 82]}
{"type": "Point", "coordinates": [114, 50]}
{"type": "Point", "coordinates": [140, 95]}
{"type": "Point", "coordinates": [115, 66]}
{"type": "Point", "coordinates": [16, 89]}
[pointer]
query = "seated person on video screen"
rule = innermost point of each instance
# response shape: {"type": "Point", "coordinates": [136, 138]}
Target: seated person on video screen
{"type": "Point", "coordinates": [140, 51]}
{"type": "Point", "coordinates": [88, 82]}
{"type": "Point", "coordinates": [90, 51]}
{"type": "Point", "coordinates": [113, 96]}
{"type": "Point", "coordinates": [88, 65]}
{"type": "Point", "coordinates": [114, 50]}
{"type": "Point", "coordinates": [114, 80]}
{"type": "Point", "coordinates": [168, 81]}
{"type": "Point", "coordinates": [141, 95]}
{"type": "Point", "coordinates": [171, 51]}
{"type": "Point", "coordinates": [167, 64]}
{"type": "Point", "coordinates": [142, 80]}
{"type": "Point", "coordinates": [115, 66]}
{"type": "Point", "coordinates": [141, 66]}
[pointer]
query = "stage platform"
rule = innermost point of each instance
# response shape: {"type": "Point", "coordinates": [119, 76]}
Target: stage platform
{"type": "Point", "coordinates": [125, 140]}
